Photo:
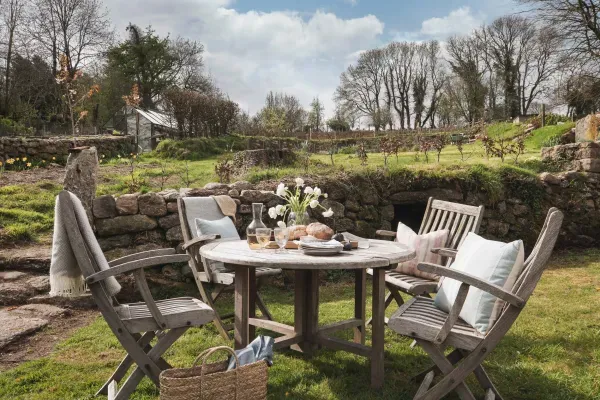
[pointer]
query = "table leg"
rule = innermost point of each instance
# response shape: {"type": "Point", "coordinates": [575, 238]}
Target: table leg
{"type": "Point", "coordinates": [299, 306]}
{"type": "Point", "coordinates": [378, 325]}
{"type": "Point", "coordinates": [312, 308]}
{"type": "Point", "coordinates": [251, 301]}
{"type": "Point", "coordinates": [242, 306]}
{"type": "Point", "coordinates": [360, 303]}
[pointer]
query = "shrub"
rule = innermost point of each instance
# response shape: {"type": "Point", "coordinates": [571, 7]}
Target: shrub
{"type": "Point", "coordinates": [551, 119]}
{"type": "Point", "coordinates": [348, 150]}
{"type": "Point", "coordinates": [553, 140]}
{"type": "Point", "coordinates": [198, 148]}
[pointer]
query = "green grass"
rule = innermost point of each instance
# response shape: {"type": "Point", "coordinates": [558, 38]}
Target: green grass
{"type": "Point", "coordinates": [547, 136]}
{"type": "Point", "coordinates": [26, 211]}
{"type": "Point", "coordinates": [551, 353]}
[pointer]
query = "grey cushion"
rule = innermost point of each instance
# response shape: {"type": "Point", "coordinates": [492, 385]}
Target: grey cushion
{"type": "Point", "coordinates": [223, 227]}
{"type": "Point", "coordinates": [201, 207]}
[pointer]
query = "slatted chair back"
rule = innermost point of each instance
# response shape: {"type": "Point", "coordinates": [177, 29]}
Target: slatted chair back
{"type": "Point", "coordinates": [88, 258]}
{"type": "Point", "coordinates": [537, 261]}
{"type": "Point", "coordinates": [191, 208]}
{"type": "Point", "coordinates": [532, 271]}
{"type": "Point", "coordinates": [459, 219]}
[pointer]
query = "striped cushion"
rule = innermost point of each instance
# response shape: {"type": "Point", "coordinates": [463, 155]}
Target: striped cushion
{"type": "Point", "coordinates": [422, 245]}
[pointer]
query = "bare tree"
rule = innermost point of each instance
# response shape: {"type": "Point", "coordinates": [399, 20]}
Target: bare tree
{"type": "Point", "coordinates": [508, 41]}
{"type": "Point", "coordinates": [577, 22]}
{"type": "Point", "coordinates": [315, 115]}
{"type": "Point", "coordinates": [437, 77]}
{"type": "Point", "coordinates": [12, 13]}
{"type": "Point", "coordinates": [467, 88]}
{"type": "Point", "coordinates": [539, 65]}
{"type": "Point", "coordinates": [361, 85]}
{"type": "Point", "coordinates": [400, 63]}
{"type": "Point", "coordinates": [80, 29]}
{"type": "Point", "coordinates": [419, 84]}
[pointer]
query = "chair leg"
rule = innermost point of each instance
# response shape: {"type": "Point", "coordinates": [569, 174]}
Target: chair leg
{"type": "Point", "coordinates": [263, 307]}
{"type": "Point", "coordinates": [446, 368]}
{"type": "Point", "coordinates": [217, 320]}
{"type": "Point", "coordinates": [394, 294]}
{"type": "Point", "coordinates": [154, 354]}
{"type": "Point", "coordinates": [453, 357]}
{"type": "Point", "coordinates": [144, 342]}
{"type": "Point", "coordinates": [219, 291]}
{"type": "Point", "coordinates": [486, 383]}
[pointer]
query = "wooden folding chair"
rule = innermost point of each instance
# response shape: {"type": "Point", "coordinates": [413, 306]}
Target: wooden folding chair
{"type": "Point", "coordinates": [207, 271]}
{"type": "Point", "coordinates": [135, 325]}
{"type": "Point", "coordinates": [459, 219]}
{"type": "Point", "coordinates": [435, 330]}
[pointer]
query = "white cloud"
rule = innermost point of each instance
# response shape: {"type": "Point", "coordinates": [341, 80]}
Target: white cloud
{"type": "Point", "coordinates": [250, 53]}
{"type": "Point", "coordinates": [458, 22]}
{"type": "Point", "coordinates": [351, 2]}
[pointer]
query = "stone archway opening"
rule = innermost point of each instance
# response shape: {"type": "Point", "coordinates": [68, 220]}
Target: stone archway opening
{"type": "Point", "coordinates": [410, 214]}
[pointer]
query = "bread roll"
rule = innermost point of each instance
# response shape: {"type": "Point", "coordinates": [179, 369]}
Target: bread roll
{"type": "Point", "coordinates": [320, 231]}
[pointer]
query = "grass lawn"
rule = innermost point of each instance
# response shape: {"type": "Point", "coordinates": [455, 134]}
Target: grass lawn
{"type": "Point", "coordinates": [551, 353]}
{"type": "Point", "coordinates": [26, 208]}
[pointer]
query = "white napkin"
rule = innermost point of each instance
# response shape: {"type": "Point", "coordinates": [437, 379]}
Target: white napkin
{"type": "Point", "coordinates": [332, 244]}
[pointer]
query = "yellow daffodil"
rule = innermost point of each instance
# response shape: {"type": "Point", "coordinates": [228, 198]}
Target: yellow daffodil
{"type": "Point", "coordinates": [17, 159]}
{"type": "Point", "coordinates": [24, 159]}
{"type": "Point", "coordinates": [28, 164]}
{"type": "Point", "coordinates": [53, 158]}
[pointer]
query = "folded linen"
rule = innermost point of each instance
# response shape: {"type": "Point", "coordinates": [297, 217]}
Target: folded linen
{"type": "Point", "coordinates": [331, 244]}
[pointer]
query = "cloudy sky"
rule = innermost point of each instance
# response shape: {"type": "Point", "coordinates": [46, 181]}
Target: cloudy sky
{"type": "Point", "coordinates": [298, 47]}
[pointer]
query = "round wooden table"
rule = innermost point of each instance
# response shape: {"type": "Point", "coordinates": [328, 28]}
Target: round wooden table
{"type": "Point", "coordinates": [306, 334]}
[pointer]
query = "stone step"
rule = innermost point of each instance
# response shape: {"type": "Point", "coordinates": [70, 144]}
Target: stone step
{"type": "Point", "coordinates": [30, 258]}
{"type": "Point", "coordinates": [17, 322]}
{"type": "Point", "coordinates": [17, 287]}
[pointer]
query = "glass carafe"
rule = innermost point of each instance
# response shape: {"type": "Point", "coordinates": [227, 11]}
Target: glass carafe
{"type": "Point", "coordinates": [256, 223]}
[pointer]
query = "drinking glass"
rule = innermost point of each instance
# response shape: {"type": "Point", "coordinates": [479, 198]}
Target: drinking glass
{"type": "Point", "coordinates": [281, 237]}
{"type": "Point", "coordinates": [263, 235]}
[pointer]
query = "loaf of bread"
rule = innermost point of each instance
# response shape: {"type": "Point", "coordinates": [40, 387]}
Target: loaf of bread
{"type": "Point", "coordinates": [296, 232]}
{"type": "Point", "coordinates": [320, 231]}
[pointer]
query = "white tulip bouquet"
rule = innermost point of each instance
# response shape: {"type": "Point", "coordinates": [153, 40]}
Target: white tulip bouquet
{"type": "Point", "coordinates": [297, 201]}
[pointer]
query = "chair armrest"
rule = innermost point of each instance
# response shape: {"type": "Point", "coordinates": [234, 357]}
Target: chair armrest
{"type": "Point", "coordinates": [141, 255]}
{"type": "Point", "coordinates": [385, 233]}
{"type": "Point", "coordinates": [199, 240]}
{"type": "Point", "coordinates": [445, 252]}
{"type": "Point", "coordinates": [136, 265]}
{"type": "Point", "coordinates": [471, 280]}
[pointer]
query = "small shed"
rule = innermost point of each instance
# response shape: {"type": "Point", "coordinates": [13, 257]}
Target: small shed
{"type": "Point", "coordinates": [148, 126]}
{"type": "Point", "coordinates": [521, 119]}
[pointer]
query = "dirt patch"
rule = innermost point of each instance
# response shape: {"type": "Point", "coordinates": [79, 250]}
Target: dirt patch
{"type": "Point", "coordinates": [42, 343]}
{"type": "Point", "coordinates": [56, 174]}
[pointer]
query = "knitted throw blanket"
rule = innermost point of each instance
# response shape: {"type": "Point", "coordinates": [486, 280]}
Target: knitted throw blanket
{"type": "Point", "coordinates": [227, 205]}
{"type": "Point", "coordinates": [66, 279]}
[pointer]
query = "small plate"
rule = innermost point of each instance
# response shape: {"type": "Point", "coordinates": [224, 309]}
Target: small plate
{"type": "Point", "coordinates": [322, 252]}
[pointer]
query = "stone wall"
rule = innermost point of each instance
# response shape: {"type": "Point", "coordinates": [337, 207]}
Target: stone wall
{"type": "Point", "coordinates": [583, 156]}
{"type": "Point", "coordinates": [46, 148]}
{"type": "Point", "coordinates": [362, 205]}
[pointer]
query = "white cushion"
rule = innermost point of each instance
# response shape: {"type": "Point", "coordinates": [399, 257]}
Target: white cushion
{"type": "Point", "coordinates": [496, 262]}
{"type": "Point", "coordinates": [422, 244]}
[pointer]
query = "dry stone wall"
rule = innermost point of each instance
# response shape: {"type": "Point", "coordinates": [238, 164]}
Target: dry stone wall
{"type": "Point", "coordinates": [46, 148]}
{"type": "Point", "coordinates": [135, 222]}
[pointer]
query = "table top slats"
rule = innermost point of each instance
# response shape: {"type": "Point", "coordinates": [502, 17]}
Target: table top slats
{"type": "Point", "coordinates": [379, 254]}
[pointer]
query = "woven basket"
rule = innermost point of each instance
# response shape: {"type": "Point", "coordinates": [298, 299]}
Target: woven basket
{"type": "Point", "coordinates": [213, 381]}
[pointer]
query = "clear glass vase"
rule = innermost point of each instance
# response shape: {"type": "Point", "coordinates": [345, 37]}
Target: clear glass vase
{"type": "Point", "coordinates": [298, 218]}
{"type": "Point", "coordinates": [256, 223]}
